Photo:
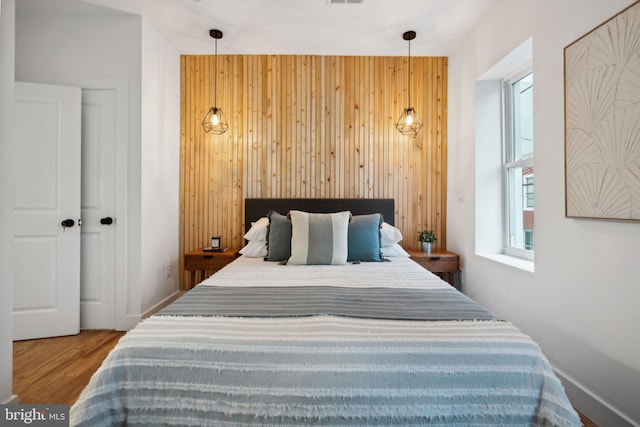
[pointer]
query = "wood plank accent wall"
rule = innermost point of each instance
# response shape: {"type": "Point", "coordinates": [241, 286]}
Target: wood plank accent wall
{"type": "Point", "coordinates": [310, 126]}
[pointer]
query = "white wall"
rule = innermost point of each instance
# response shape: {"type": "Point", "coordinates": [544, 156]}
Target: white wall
{"type": "Point", "coordinates": [160, 167]}
{"type": "Point", "coordinates": [70, 49]}
{"type": "Point", "coordinates": [73, 48]}
{"type": "Point", "coordinates": [581, 302]}
{"type": "Point", "coordinates": [7, 21]}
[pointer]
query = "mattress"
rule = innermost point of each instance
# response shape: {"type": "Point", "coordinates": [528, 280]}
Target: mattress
{"type": "Point", "coordinates": [191, 365]}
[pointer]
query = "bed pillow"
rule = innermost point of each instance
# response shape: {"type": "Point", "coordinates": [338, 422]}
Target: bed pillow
{"type": "Point", "coordinates": [278, 237]}
{"type": "Point", "coordinates": [364, 238]}
{"type": "Point", "coordinates": [394, 250]}
{"type": "Point", "coordinates": [258, 230]}
{"type": "Point", "coordinates": [255, 249]}
{"type": "Point", "coordinates": [319, 239]}
{"type": "Point", "coordinates": [389, 235]}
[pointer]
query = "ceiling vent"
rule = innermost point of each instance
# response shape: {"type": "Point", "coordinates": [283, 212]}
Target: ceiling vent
{"type": "Point", "coordinates": [330, 2]}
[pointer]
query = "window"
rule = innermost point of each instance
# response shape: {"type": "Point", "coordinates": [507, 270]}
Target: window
{"type": "Point", "coordinates": [528, 191]}
{"type": "Point", "coordinates": [518, 170]}
{"type": "Point", "coordinates": [504, 173]}
{"type": "Point", "coordinates": [528, 238]}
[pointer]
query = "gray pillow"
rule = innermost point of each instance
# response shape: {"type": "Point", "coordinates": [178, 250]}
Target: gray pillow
{"type": "Point", "coordinates": [364, 238]}
{"type": "Point", "coordinates": [278, 237]}
{"type": "Point", "coordinates": [319, 239]}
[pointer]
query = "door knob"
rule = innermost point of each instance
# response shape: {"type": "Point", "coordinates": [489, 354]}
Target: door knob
{"type": "Point", "coordinates": [106, 220]}
{"type": "Point", "coordinates": [68, 223]}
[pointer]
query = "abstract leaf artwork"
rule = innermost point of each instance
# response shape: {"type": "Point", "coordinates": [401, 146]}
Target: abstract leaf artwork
{"type": "Point", "coordinates": [602, 120]}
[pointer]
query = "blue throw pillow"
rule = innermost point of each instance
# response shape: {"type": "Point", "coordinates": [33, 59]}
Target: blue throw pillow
{"type": "Point", "coordinates": [364, 238]}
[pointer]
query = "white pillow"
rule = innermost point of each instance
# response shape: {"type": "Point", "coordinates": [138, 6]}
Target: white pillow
{"type": "Point", "coordinates": [319, 239]}
{"type": "Point", "coordinates": [389, 235]}
{"type": "Point", "coordinates": [258, 230]}
{"type": "Point", "coordinates": [394, 250]}
{"type": "Point", "coordinates": [255, 249]}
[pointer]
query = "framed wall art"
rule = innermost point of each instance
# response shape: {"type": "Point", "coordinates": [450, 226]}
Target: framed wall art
{"type": "Point", "coordinates": [602, 120]}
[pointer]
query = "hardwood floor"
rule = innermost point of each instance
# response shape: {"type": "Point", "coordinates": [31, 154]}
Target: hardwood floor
{"type": "Point", "coordinates": [55, 370]}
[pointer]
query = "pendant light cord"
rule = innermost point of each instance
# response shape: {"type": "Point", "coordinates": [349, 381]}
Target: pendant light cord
{"type": "Point", "coordinates": [409, 76]}
{"type": "Point", "coordinates": [215, 78]}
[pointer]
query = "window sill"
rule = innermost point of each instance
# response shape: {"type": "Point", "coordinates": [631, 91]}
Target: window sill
{"type": "Point", "coordinates": [519, 263]}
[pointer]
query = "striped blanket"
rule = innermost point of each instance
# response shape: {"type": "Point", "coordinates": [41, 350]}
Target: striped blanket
{"type": "Point", "coordinates": [369, 303]}
{"type": "Point", "coordinates": [323, 370]}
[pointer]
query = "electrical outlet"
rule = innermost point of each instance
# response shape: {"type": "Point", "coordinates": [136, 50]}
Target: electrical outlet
{"type": "Point", "coordinates": [167, 270]}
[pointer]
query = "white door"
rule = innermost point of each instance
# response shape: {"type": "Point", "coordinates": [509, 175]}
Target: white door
{"type": "Point", "coordinates": [46, 164]}
{"type": "Point", "coordinates": [97, 278]}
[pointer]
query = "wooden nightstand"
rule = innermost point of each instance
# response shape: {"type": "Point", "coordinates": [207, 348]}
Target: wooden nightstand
{"type": "Point", "coordinates": [206, 263]}
{"type": "Point", "coordinates": [444, 264]}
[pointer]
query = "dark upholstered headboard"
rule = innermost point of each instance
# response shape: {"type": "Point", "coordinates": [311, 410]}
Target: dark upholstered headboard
{"type": "Point", "coordinates": [254, 209]}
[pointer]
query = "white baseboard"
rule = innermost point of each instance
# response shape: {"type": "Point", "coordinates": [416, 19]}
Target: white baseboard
{"type": "Point", "coordinates": [132, 320]}
{"type": "Point", "coordinates": [162, 304]}
{"type": "Point", "coordinates": [14, 400]}
{"type": "Point", "coordinates": [594, 408]}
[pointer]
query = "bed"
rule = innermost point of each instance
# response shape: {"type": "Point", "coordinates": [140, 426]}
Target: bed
{"type": "Point", "coordinates": [359, 343]}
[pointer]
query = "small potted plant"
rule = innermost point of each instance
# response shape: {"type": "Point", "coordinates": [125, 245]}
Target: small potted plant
{"type": "Point", "coordinates": [427, 238]}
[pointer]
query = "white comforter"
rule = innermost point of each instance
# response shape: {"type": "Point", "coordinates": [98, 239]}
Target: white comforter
{"type": "Point", "coordinates": [398, 272]}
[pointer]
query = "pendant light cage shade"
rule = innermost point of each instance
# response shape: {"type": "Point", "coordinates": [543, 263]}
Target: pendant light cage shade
{"type": "Point", "coordinates": [214, 121]}
{"type": "Point", "coordinates": [409, 122]}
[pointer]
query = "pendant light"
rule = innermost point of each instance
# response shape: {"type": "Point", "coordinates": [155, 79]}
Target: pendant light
{"type": "Point", "coordinates": [409, 122]}
{"type": "Point", "coordinates": [215, 122]}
